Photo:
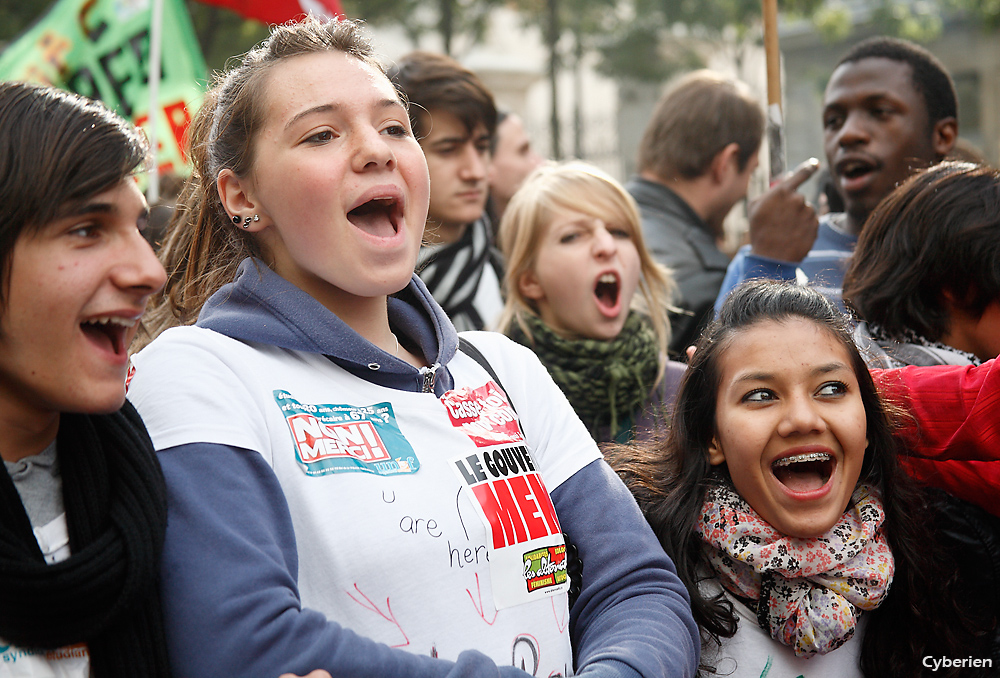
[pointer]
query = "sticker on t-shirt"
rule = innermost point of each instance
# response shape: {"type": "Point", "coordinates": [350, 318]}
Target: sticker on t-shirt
{"type": "Point", "coordinates": [72, 661]}
{"type": "Point", "coordinates": [343, 438]}
{"type": "Point", "coordinates": [484, 414]}
{"type": "Point", "coordinates": [527, 552]}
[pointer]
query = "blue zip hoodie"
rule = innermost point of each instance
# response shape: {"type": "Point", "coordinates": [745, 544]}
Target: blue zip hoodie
{"type": "Point", "coordinates": [231, 565]}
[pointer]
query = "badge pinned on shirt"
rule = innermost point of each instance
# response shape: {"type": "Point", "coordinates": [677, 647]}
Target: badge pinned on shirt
{"type": "Point", "coordinates": [527, 551]}
{"type": "Point", "coordinates": [484, 414]}
{"type": "Point", "coordinates": [334, 438]}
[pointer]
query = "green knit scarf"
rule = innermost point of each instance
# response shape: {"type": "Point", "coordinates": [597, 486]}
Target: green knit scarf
{"type": "Point", "coordinates": [605, 381]}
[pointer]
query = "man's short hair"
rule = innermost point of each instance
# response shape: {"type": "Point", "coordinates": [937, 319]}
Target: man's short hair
{"type": "Point", "coordinates": [695, 119]}
{"type": "Point", "coordinates": [430, 81]}
{"type": "Point", "coordinates": [930, 78]}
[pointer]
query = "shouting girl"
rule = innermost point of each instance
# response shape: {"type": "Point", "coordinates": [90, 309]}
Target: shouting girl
{"type": "Point", "coordinates": [347, 490]}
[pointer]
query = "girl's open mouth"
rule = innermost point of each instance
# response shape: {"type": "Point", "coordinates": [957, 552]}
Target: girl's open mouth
{"type": "Point", "coordinates": [379, 217]}
{"type": "Point", "coordinates": [806, 472]}
{"type": "Point", "coordinates": [607, 291]}
{"type": "Point", "coordinates": [109, 332]}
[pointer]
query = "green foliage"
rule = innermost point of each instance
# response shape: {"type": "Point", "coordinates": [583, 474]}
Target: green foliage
{"type": "Point", "coordinates": [449, 18]}
{"type": "Point", "coordinates": [985, 12]}
{"type": "Point", "coordinates": [223, 34]}
{"type": "Point", "coordinates": [637, 39]}
{"type": "Point", "coordinates": [833, 22]}
{"type": "Point", "coordinates": [405, 13]}
{"type": "Point", "coordinates": [919, 22]}
{"type": "Point", "coordinates": [17, 17]}
{"type": "Point", "coordinates": [714, 16]}
{"type": "Point", "coordinates": [639, 54]}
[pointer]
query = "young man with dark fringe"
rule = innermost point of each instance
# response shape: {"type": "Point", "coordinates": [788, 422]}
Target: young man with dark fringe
{"type": "Point", "coordinates": [454, 118]}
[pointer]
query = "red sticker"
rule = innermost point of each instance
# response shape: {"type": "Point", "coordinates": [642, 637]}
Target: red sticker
{"type": "Point", "coordinates": [484, 414]}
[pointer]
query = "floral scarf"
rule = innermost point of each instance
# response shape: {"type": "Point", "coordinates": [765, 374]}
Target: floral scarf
{"type": "Point", "coordinates": [807, 591]}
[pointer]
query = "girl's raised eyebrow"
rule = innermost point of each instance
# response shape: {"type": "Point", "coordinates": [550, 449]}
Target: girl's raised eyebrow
{"type": "Point", "coordinates": [585, 221]}
{"type": "Point", "coordinates": [830, 367]}
{"type": "Point", "coordinates": [333, 108]}
{"type": "Point", "coordinates": [755, 376]}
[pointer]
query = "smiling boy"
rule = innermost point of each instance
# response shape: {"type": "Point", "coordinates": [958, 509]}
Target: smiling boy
{"type": "Point", "coordinates": [82, 500]}
{"type": "Point", "coordinates": [889, 109]}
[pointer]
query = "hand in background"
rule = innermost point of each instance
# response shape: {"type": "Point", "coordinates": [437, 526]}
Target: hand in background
{"type": "Point", "coordinates": [782, 224]}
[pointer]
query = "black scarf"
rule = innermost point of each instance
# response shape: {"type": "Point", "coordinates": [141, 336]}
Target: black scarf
{"type": "Point", "coordinates": [606, 382]}
{"type": "Point", "coordinates": [106, 594]}
{"type": "Point", "coordinates": [452, 274]}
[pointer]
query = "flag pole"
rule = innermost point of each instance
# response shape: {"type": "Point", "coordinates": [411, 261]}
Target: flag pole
{"type": "Point", "coordinates": [155, 58]}
{"type": "Point", "coordinates": [775, 121]}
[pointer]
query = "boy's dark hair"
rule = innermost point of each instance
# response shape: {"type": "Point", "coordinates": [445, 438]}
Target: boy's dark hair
{"type": "Point", "coordinates": [430, 81]}
{"type": "Point", "coordinates": [670, 478]}
{"type": "Point", "coordinates": [930, 78]}
{"type": "Point", "coordinates": [57, 151]}
{"type": "Point", "coordinates": [938, 232]}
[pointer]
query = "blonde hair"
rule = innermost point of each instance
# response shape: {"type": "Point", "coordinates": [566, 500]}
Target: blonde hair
{"type": "Point", "coordinates": [203, 248]}
{"type": "Point", "coordinates": [580, 187]}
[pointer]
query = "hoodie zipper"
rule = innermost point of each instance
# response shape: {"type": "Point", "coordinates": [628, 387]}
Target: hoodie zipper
{"type": "Point", "coordinates": [429, 374]}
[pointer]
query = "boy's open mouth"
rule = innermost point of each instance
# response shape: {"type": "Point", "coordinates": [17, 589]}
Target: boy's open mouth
{"type": "Point", "coordinates": [804, 472]}
{"type": "Point", "coordinates": [855, 170]}
{"type": "Point", "coordinates": [379, 217]}
{"type": "Point", "coordinates": [108, 331]}
{"type": "Point", "coordinates": [607, 290]}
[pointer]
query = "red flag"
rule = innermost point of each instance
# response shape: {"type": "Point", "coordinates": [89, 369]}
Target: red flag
{"type": "Point", "coordinates": [280, 11]}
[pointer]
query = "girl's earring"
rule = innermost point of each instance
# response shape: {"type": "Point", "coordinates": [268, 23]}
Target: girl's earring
{"type": "Point", "coordinates": [246, 222]}
{"type": "Point", "coordinates": [236, 218]}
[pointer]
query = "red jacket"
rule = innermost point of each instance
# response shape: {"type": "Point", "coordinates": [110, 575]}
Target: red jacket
{"type": "Point", "coordinates": [957, 432]}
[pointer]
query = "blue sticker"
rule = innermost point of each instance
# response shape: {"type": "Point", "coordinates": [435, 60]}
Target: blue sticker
{"type": "Point", "coordinates": [344, 438]}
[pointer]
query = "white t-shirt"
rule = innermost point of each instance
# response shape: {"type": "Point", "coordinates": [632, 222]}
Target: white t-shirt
{"type": "Point", "coordinates": [389, 491]}
{"type": "Point", "coordinates": [752, 653]}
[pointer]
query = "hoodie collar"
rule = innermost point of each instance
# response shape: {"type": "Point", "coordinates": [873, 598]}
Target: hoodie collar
{"type": "Point", "coordinates": [261, 306]}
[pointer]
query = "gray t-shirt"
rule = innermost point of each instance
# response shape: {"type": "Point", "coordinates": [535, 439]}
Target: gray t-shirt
{"type": "Point", "coordinates": [39, 483]}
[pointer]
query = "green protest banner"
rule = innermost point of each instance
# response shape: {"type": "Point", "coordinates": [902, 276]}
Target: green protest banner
{"type": "Point", "coordinates": [100, 49]}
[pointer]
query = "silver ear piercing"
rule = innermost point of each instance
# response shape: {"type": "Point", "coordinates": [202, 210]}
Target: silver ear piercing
{"type": "Point", "coordinates": [247, 220]}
